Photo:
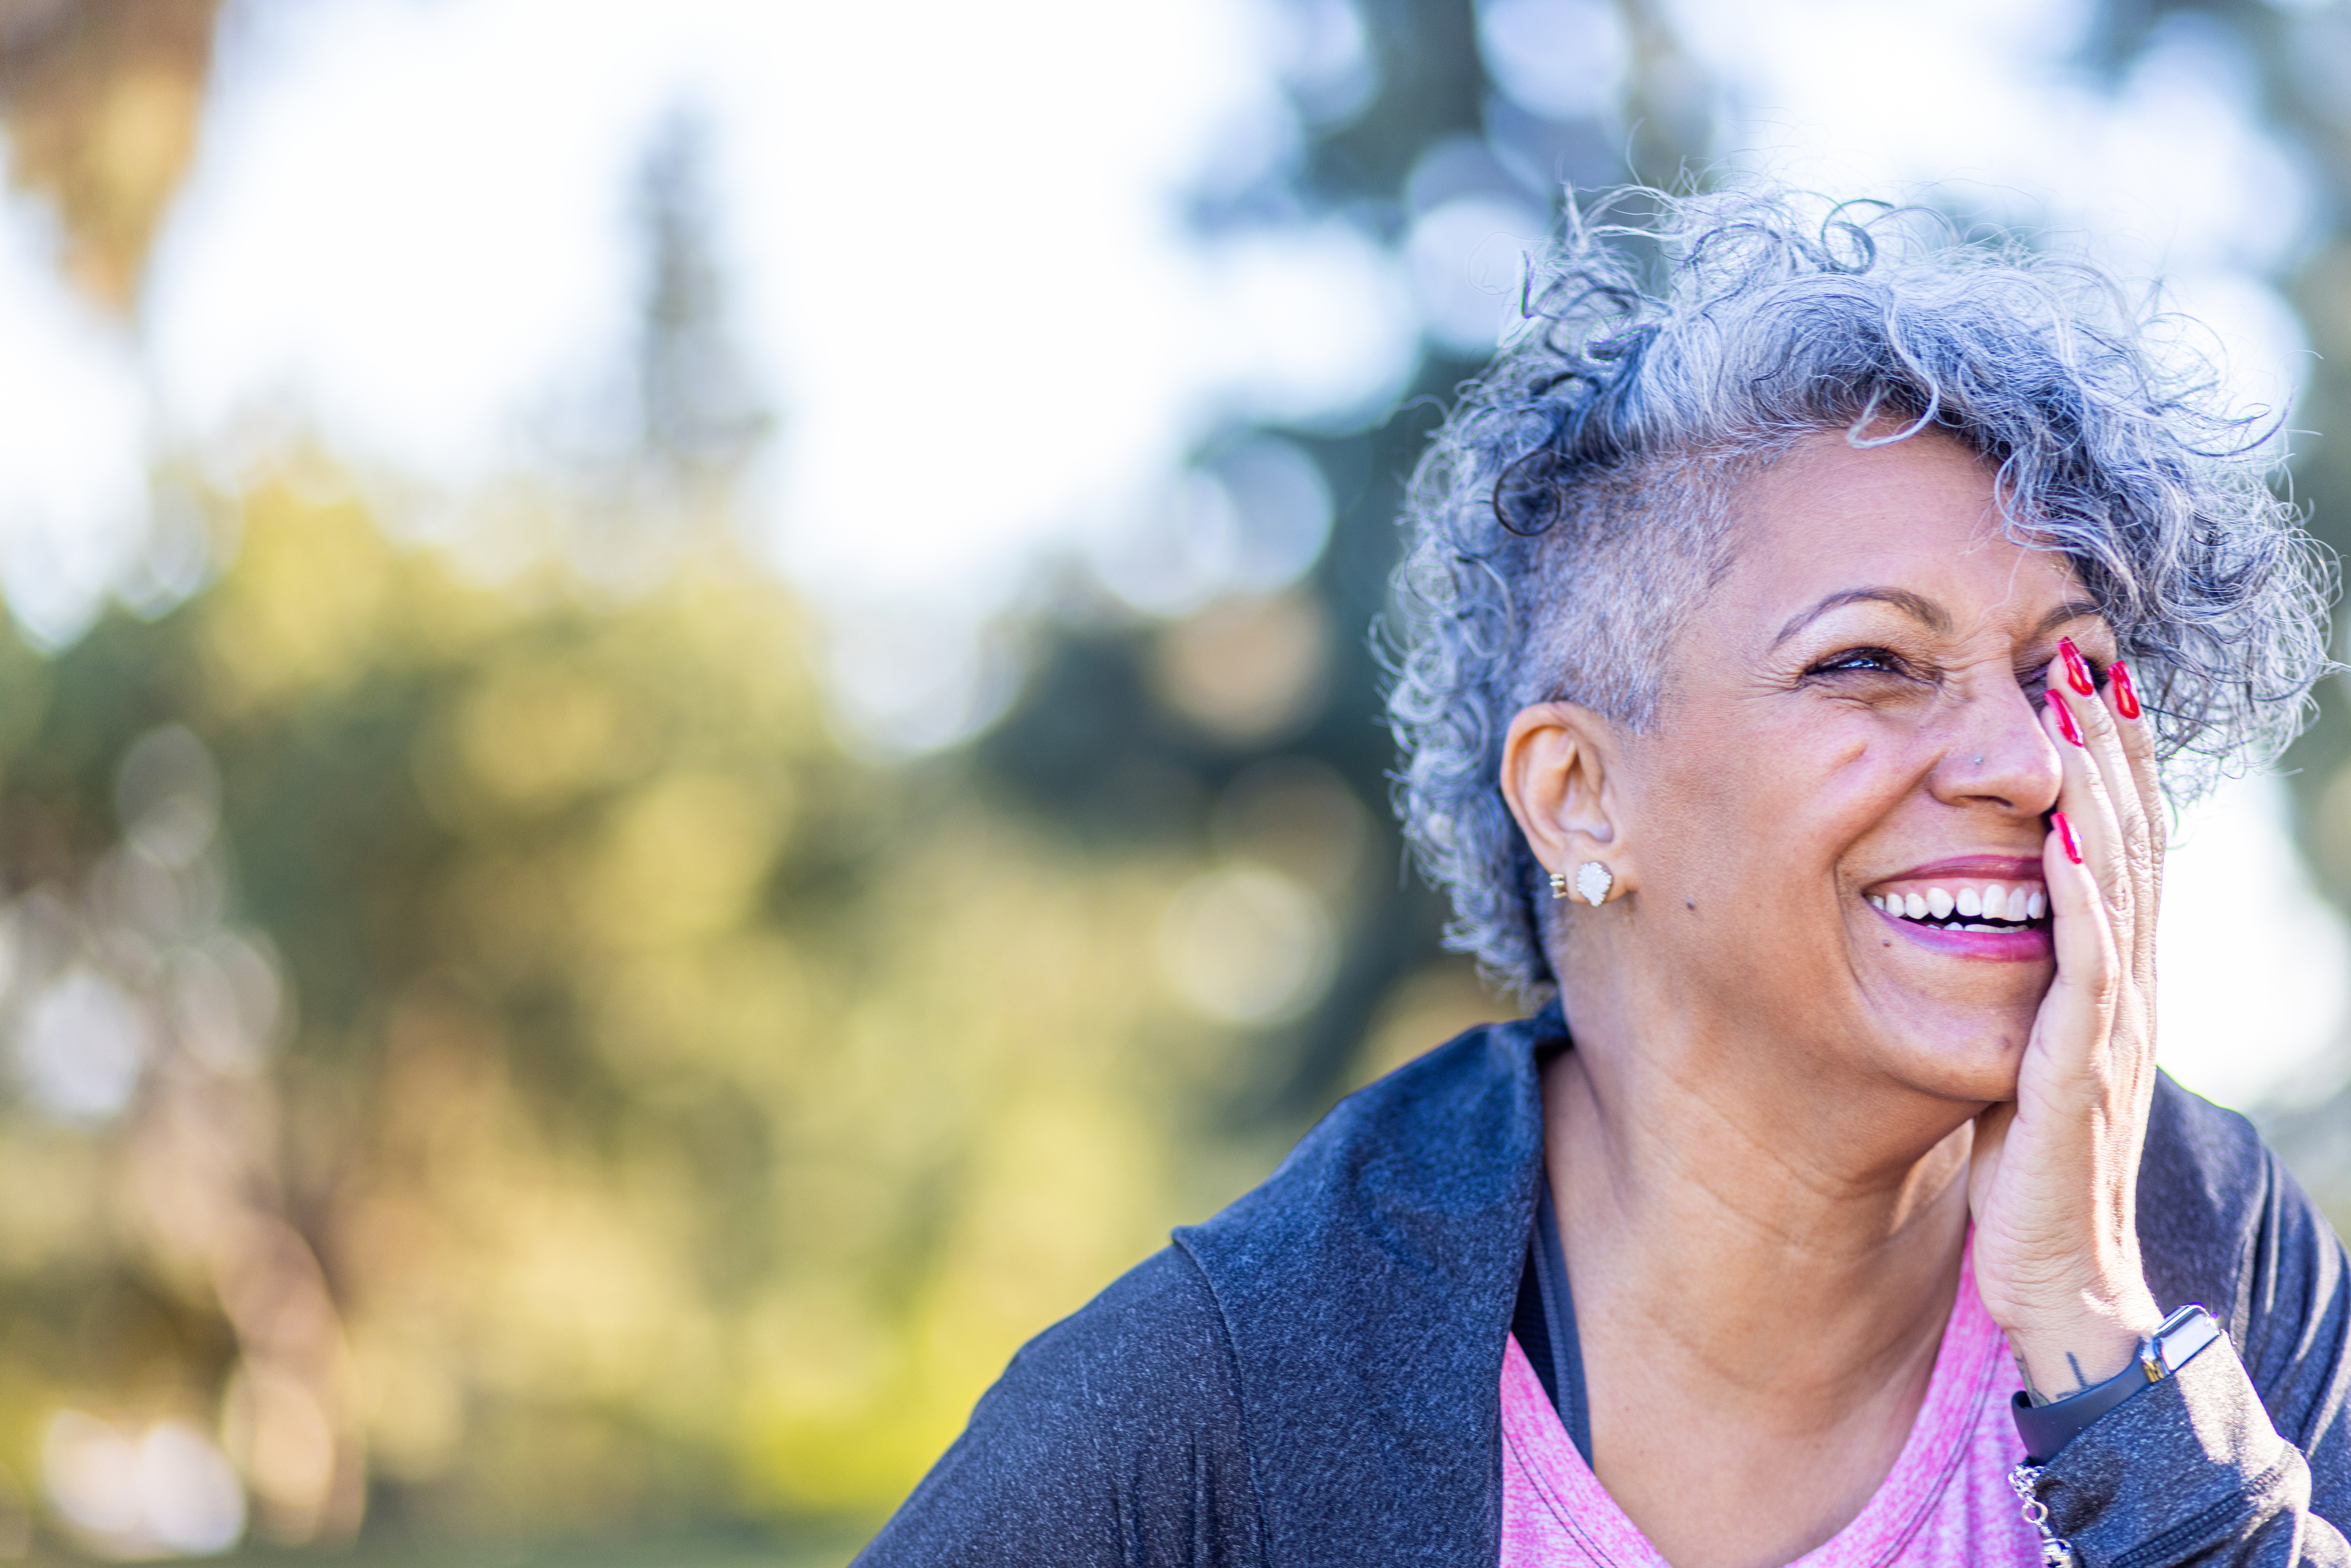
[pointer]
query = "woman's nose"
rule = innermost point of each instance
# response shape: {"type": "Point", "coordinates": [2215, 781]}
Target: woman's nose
{"type": "Point", "coordinates": [1998, 755]}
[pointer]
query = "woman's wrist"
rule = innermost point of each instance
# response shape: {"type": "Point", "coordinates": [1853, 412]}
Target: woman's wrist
{"type": "Point", "coordinates": [2061, 1351]}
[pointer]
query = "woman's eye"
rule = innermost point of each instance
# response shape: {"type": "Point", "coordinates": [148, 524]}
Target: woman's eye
{"type": "Point", "coordinates": [1870, 660]}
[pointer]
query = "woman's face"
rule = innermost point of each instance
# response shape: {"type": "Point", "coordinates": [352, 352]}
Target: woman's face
{"type": "Point", "coordinates": [1836, 824]}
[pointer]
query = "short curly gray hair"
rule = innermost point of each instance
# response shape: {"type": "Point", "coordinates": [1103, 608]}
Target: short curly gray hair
{"type": "Point", "coordinates": [1574, 509]}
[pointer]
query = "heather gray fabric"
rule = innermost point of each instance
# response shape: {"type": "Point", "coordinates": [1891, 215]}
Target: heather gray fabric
{"type": "Point", "coordinates": [1116, 1436]}
{"type": "Point", "coordinates": [2191, 1471]}
{"type": "Point", "coordinates": [1312, 1378]}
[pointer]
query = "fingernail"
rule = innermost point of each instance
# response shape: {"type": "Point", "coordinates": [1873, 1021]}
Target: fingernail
{"type": "Point", "coordinates": [2126, 699]}
{"type": "Point", "coordinates": [2065, 724]}
{"type": "Point", "coordinates": [2077, 669]}
{"type": "Point", "coordinates": [2065, 836]}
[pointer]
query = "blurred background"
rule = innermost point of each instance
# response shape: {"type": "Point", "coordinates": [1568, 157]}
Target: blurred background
{"type": "Point", "coordinates": [687, 732]}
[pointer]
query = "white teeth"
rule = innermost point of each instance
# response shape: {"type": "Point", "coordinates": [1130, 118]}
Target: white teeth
{"type": "Point", "coordinates": [1976, 906]}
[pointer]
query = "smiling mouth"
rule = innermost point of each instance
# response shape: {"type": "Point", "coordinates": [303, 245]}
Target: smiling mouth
{"type": "Point", "coordinates": [1985, 907]}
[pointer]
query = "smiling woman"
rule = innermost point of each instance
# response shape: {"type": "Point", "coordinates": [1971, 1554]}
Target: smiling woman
{"type": "Point", "coordinates": [1802, 636]}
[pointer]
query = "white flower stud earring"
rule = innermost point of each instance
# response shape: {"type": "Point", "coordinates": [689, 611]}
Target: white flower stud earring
{"type": "Point", "coordinates": [1593, 882]}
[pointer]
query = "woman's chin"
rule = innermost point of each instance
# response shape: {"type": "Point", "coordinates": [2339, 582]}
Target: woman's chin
{"type": "Point", "coordinates": [1958, 1029]}
{"type": "Point", "coordinates": [1952, 1052]}
{"type": "Point", "coordinates": [1975, 1071]}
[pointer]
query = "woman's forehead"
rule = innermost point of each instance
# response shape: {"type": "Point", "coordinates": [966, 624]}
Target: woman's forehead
{"type": "Point", "coordinates": [1912, 528]}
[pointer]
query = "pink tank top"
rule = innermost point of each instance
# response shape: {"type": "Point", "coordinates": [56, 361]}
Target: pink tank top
{"type": "Point", "coordinates": [1945, 1504]}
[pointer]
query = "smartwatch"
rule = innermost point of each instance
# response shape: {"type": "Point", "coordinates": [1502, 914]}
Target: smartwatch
{"type": "Point", "coordinates": [2047, 1428]}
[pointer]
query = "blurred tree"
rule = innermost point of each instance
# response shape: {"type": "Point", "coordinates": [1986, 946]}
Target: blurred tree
{"type": "Point", "coordinates": [532, 1080]}
{"type": "Point", "coordinates": [102, 99]}
{"type": "Point", "coordinates": [651, 461]}
{"type": "Point", "coordinates": [484, 1052]}
{"type": "Point", "coordinates": [1095, 739]}
{"type": "Point", "coordinates": [678, 1111]}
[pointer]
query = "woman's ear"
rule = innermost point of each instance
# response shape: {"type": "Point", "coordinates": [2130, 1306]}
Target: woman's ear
{"type": "Point", "coordinates": [1555, 775]}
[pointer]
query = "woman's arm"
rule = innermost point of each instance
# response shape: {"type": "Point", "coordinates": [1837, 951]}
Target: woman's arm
{"type": "Point", "coordinates": [2191, 1471]}
{"type": "Point", "coordinates": [2297, 1338]}
{"type": "Point", "coordinates": [2238, 1458]}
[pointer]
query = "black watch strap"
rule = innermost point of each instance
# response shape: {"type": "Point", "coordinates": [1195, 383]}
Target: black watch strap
{"type": "Point", "coordinates": [2047, 1428]}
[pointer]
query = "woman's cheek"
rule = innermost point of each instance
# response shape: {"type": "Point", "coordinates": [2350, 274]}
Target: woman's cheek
{"type": "Point", "coordinates": [1853, 770]}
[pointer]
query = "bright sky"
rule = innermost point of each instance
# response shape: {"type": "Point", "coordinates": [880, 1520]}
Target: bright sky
{"type": "Point", "coordinates": [2170, 176]}
{"type": "Point", "coordinates": [961, 274]}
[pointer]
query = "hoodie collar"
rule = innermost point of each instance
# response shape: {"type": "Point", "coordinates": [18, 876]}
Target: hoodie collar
{"type": "Point", "coordinates": [1366, 1289]}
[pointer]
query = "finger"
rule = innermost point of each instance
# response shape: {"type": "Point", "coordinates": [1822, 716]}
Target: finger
{"type": "Point", "coordinates": [2101, 730]}
{"type": "Point", "coordinates": [2086, 790]}
{"type": "Point", "coordinates": [2102, 928]}
{"type": "Point", "coordinates": [2077, 1015]}
{"type": "Point", "coordinates": [2117, 738]}
{"type": "Point", "coordinates": [2137, 735]}
{"type": "Point", "coordinates": [2127, 846]}
{"type": "Point", "coordinates": [2099, 794]}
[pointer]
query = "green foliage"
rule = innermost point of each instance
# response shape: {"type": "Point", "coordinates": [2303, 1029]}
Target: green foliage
{"type": "Point", "coordinates": [681, 1113]}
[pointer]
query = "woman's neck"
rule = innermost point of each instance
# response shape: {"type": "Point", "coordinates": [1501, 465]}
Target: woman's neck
{"type": "Point", "coordinates": [1762, 1279]}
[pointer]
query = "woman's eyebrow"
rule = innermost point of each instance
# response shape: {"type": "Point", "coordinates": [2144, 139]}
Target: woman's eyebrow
{"type": "Point", "coordinates": [1916, 606]}
{"type": "Point", "coordinates": [2072, 610]}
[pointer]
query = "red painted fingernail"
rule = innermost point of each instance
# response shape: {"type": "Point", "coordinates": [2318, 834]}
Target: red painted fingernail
{"type": "Point", "coordinates": [2077, 669]}
{"type": "Point", "coordinates": [2065, 836]}
{"type": "Point", "coordinates": [2126, 699]}
{"type": "Point", "coordinates": [2065, 724]}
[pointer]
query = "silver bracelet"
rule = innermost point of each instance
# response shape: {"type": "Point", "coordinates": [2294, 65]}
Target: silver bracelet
{"type": "Point", "coordinates": [2056, 1551]}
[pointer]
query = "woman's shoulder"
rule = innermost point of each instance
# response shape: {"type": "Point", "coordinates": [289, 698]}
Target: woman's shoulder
{"type": "Point", "coordinates": [1417, 1177]}
{"type": "Point", "coordinates": [2221, 1222]}
{"type": "Point", "coordinates": [1115, 1437]}
{"type": "Point", "coordinates": [2217, 1211]}
{"type": "Point", "coordinates": [2203, 1179]}
{"type": "Point", "coordinates": [1450, 1129]}
{"type": "Point", "coordinates": [1187, 1414]}
{"type": "Point", "coordinates": [1152, 1340]}
{"type": "Point", "coordinates": [1366, 1288]}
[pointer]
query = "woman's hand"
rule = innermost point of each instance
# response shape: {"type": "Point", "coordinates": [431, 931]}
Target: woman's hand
{"type": "Point", "coordinates": [2054, 1180]}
